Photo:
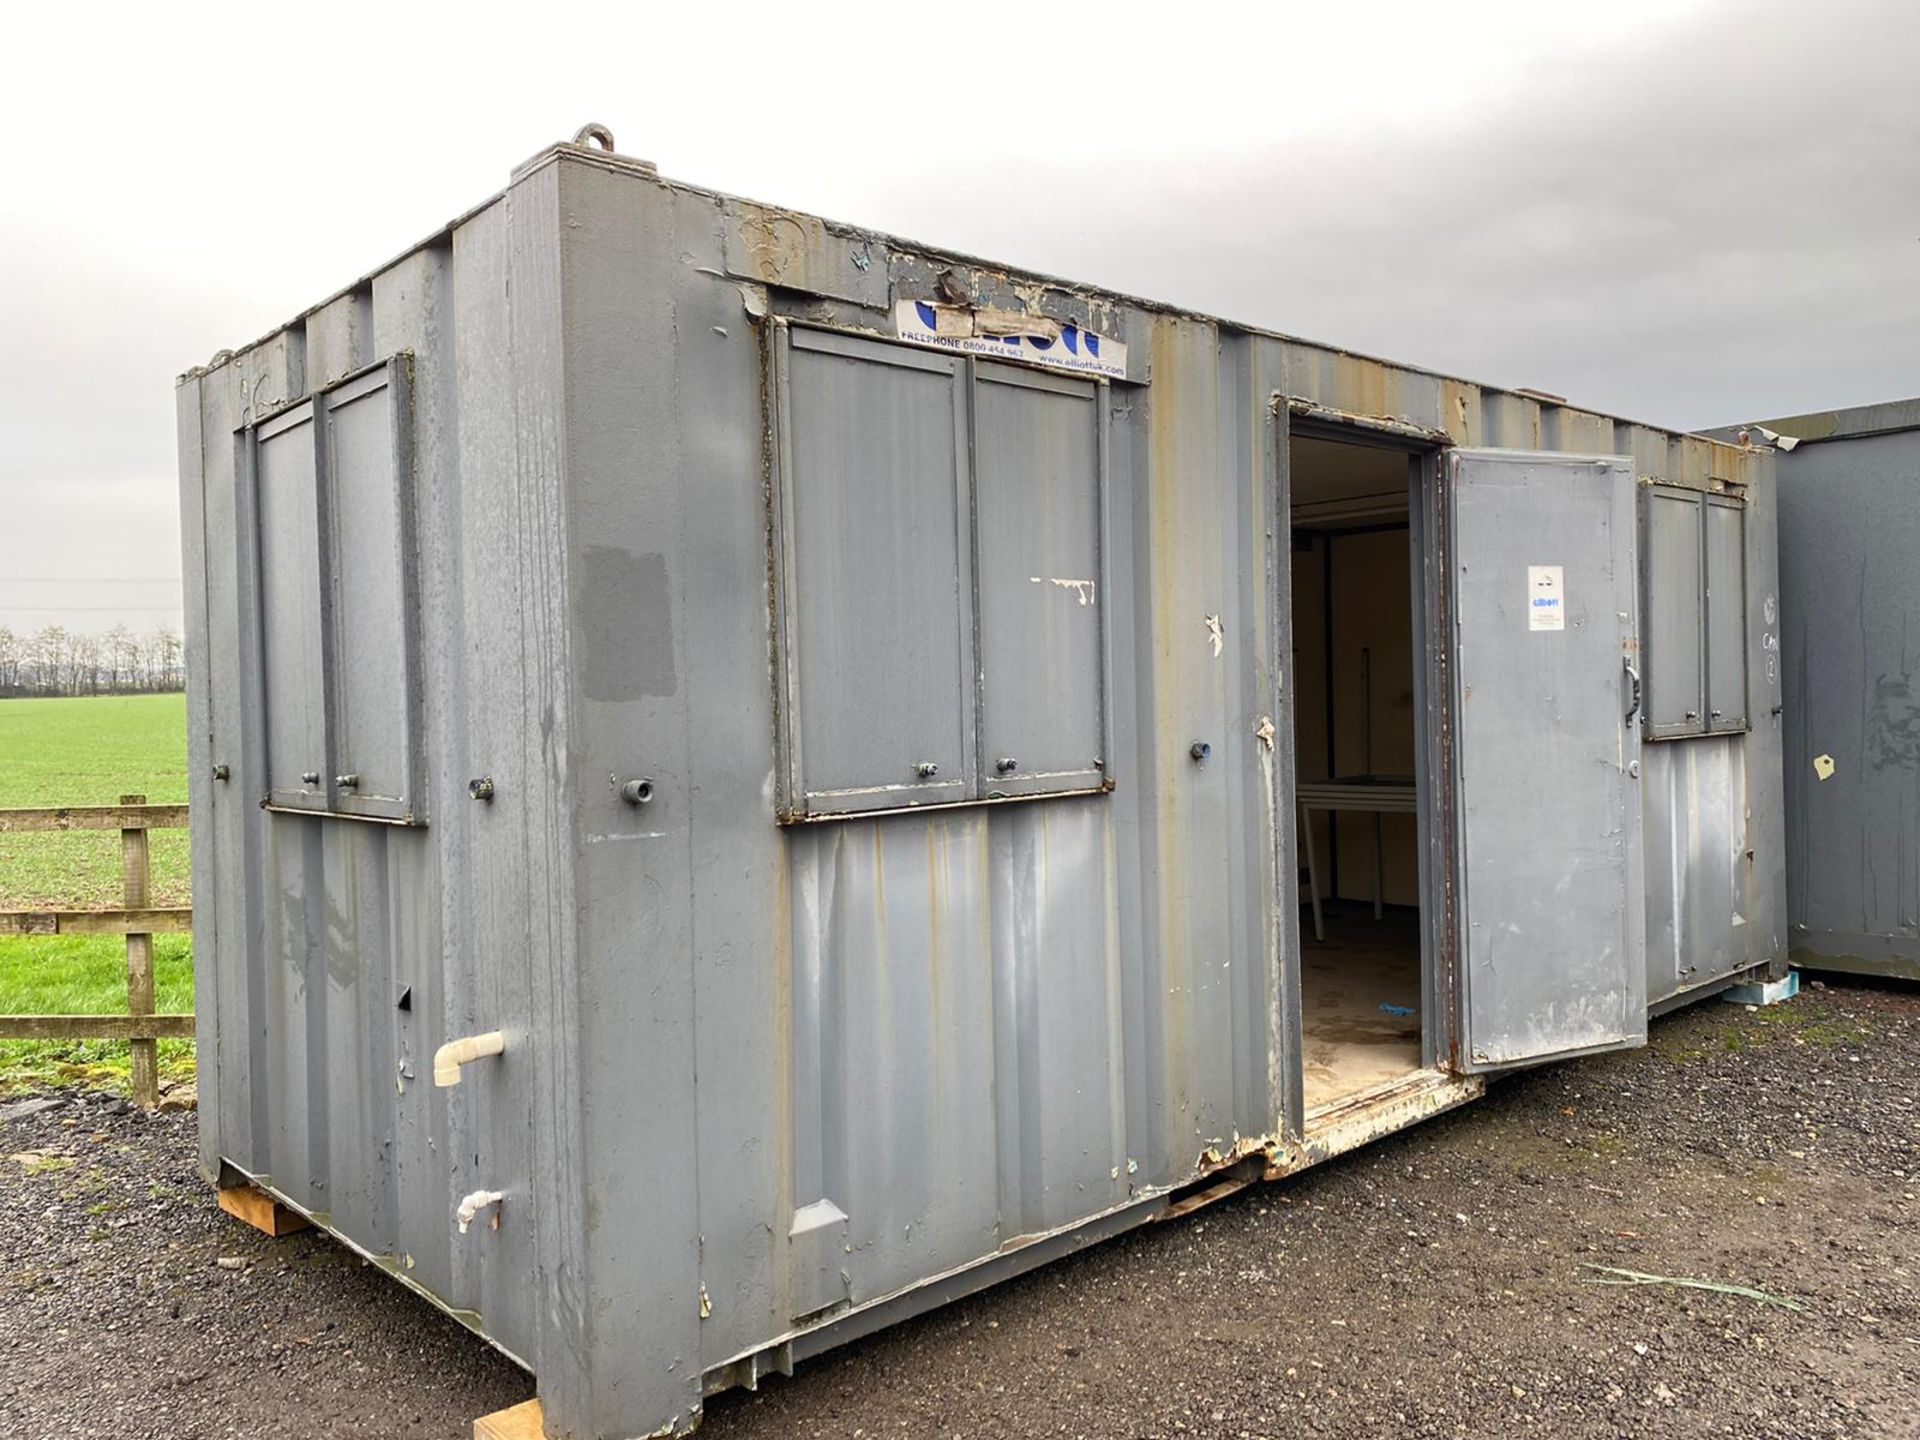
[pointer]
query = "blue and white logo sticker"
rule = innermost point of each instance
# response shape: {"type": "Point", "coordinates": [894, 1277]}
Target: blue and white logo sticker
{"type": "Point", "coordinates": [1546, 599]}
{"type": "Point", "coordinates": [1057, 346]}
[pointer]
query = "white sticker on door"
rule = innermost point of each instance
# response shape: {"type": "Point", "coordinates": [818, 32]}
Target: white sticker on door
{"type": "Point", "coordinates": [1546, 604]}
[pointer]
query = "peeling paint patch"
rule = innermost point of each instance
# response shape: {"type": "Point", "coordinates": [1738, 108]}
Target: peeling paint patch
{"type": "Point", "coordinates": [1264, 730]}
{"type": "Point", "coordinates": [1823, 766]}
{"type": "Point", "coordinates": [1216, 635]}
{"type": "Point", "coordinates": [800, 252]}
{"type": "Point", "coordinates": [1082, 589]}
{"type": "Point", "coordinates": [1010, 335]}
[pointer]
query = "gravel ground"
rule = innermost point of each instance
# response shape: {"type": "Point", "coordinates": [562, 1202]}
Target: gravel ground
{"type": "Point", "coordinates": [1433, 1284]}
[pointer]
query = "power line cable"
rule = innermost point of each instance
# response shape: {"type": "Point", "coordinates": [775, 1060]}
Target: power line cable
{"type": "Point", "coordinates": [89, 579]}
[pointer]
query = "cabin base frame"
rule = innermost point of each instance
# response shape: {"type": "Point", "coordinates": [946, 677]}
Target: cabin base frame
{"type": "Point", "coordinates": [1887, 964]}
{"type": "Point", "coordinates": [1752, 975]}
{"type": "Point", "coordinates": [1353, 1123]}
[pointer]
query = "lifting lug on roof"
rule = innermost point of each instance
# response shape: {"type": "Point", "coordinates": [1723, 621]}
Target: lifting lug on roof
{"type": "Point", "coordinates": [595, 136]}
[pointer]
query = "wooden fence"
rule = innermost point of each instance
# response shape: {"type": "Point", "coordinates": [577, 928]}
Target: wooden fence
{"type": "Point", "coordinates": [137, 918]}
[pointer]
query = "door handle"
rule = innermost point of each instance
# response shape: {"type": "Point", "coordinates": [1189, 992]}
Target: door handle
{"type": "Point", "coordinates": [1633, 705]}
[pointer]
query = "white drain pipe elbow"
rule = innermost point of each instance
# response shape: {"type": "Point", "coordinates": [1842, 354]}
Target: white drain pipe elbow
{"type": "Point", "coordinates": [471, 1207]}
{"type": "Point", "coordinates": [448, 1059]}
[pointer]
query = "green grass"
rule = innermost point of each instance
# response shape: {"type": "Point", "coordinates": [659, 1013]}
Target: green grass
{"type": "Point", "coordinates": [88, 752]}
{"type": "Point", "coordinates": [1811, 1026]}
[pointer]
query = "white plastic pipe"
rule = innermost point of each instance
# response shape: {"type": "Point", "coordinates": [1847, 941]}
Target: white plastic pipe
{"type": "Point", "coordinates": [471, 1207]}
{"type": "Point", "coordinates": [448, 1059]}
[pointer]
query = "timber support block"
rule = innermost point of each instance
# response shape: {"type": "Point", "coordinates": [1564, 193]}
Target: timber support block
{"type": "Point", "coordinates": [261, 1211]}
{"type": "Point", "coordinates": [517, 1422]}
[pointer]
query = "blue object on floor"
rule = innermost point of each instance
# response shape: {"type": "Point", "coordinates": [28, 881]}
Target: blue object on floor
{"type": "Point", "coordinates": [1396, 1009]}
{"type": "Point", "coordinates": [1770, 993]}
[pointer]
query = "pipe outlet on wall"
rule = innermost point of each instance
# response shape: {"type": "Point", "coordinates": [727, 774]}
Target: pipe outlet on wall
{"type": "Point", "coordinates": [448, 1059]}
{"type": "Point", "coordinates": [470, 1208]}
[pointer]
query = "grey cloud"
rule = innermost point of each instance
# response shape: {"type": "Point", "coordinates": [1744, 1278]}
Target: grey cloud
{"type": "Point", "coordinates": [1720, 225]}
{"type": "Point", "coordinates": [1713, 220]}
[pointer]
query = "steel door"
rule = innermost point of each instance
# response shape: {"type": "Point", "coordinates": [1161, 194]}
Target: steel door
{"type": "Point", "coordinates": [1552, 939]}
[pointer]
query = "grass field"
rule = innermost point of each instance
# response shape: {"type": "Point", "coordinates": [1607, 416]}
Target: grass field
{"type": "Point", "coordinates": [88, 752]}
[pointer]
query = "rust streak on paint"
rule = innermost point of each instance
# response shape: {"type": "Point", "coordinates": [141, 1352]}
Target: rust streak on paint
{"type": "Point", "coordinates": [939, 844]}
{"type": "Point", "coordinates": [781, 1039]}
{"type": "Point", "coordinates": [1460, 411]}
{"type": "Point", "coordinates": [1175, 608]}
{"type": "Point", "coordinates": [1366, 387]}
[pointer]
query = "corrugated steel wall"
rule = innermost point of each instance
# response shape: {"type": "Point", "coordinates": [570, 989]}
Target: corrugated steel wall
{"type": "Point", "coordinates": [958, 1030]}
{"type": "Point", "coordinates": [1848, 595]}
{"type": "Point", "coordinates": [334, 956]}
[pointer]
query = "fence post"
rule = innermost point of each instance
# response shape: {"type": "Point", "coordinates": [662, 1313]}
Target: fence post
{"type": "Point", "coordinates": [134, 872]}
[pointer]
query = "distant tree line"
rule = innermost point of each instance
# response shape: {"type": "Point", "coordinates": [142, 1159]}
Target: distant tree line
{"type": "Point", "coordinates": [59, 661]}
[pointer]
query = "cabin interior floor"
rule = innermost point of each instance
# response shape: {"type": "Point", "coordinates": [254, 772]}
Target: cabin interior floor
{"type": "Point", "coordinates": [1360, 1001]}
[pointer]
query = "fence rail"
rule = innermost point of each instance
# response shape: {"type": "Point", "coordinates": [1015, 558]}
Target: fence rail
{"type": "Point", "coordinates": [165, 920]}
{"type": "Point", "coordinates": [132, 813]}
{"type": "Point", "coordinates": [137, 918]}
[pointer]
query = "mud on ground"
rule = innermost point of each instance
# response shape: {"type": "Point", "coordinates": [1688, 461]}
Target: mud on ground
{"type": "Point", "coordinates": [1435, 1284]}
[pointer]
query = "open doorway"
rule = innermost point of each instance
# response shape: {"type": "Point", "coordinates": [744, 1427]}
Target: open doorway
{"type": "Point", "coordinates": [1358, 731]}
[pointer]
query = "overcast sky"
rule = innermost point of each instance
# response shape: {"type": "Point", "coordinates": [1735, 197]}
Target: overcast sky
{"type": "Point", "coordinates": [1689, 213]}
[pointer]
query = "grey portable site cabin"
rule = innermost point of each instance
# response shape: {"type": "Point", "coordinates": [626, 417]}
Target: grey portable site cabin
{"type": "Point", "coordinates": [814, 734]}
{"type": "Point", "coordinates": [1849, 594]}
